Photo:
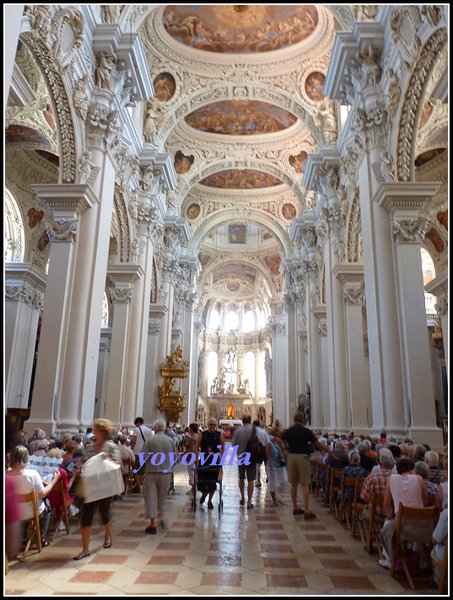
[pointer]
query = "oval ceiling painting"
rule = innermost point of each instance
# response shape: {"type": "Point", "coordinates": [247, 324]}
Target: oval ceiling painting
{"type": "Point", "coordinates": [245, 179]}
{"type": "Point", "coordinates": [314, 86]}
{"type": "Point", "coordinates": [240, 28]}
{"type": "Point", "coordinates": [164, 86]}
{"type": "Point", "coordinates": [240, 117]}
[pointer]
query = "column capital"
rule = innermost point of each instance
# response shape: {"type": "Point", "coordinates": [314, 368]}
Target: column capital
{"type": "Point", "coordinates": [26, 283]}
{"type": "Point", "coordinates": [349, 273]}
{"type": "Point", "coordinates": [121, 295]}
{"type": "Point", "coordinates": [405, 198]}
{"type": "Point", "coordinates": [65, 201]}
{"type": "Point", "coordinates": [157, 311]}
{"type": "Point", "coordinates": [353, 295]}
{"type": "Point", "coordinates": [162, 165]}
{"type": "Point", "coordinates": [319, 311]}
{"type": "Point", "coordinates": [124, 274]}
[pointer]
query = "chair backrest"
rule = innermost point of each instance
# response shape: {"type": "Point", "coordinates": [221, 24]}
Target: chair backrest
{"type": "Point", "coordinates": [416, 524]}
{"type": "Point", "coordinates": [377, 501]}
{"type": "Point", "coordinates": [30, 498]}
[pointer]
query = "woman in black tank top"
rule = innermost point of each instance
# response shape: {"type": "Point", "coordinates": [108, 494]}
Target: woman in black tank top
{"type": "Point", "coordinates": [208, 473]}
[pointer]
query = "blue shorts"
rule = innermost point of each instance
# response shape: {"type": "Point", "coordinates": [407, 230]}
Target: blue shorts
{"type": "Point", "coordinates": [249, 469]}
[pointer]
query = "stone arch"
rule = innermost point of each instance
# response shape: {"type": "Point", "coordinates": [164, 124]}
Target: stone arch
{"type": "Point", "coordinates": [210, 268]}
{"type": "Point", "coordinates": [226, 164]}
{"type": "Point", "coordinates": [412, 105]}
{"type": "Point", "coordinates": [227, 91]}
{"type": "Point", "coordinates": [224, 216]}
{"type": "Point", "coordinates": [62, 107]}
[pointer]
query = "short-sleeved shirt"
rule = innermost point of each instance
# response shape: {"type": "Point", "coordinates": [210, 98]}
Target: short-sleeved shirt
{"type": "Point", "coordinates": [241, 437]}
{"type": "Point", "coordinates": [161, 444]}
{"type": "Point", "coordinates": [142, 434]}
{"type": "Point", "coordinates": [26, 482]}
{"type": "Point", "coordinates": [300, 439]}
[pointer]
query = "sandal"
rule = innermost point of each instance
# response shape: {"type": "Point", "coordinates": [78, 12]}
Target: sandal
{"type": "Point", "coordinates": [108, 543]}
{"type": "Point", "coordinates": [298, 511]}
{"type": "Point", "coordinates": [310, 515]}
{"type": "Point", "coordinates": [81, 555]}
{"type": "Point", "coordinates": [250, 505]}
{"type": "Point", "coordinates": [150, 529]}
{"type": "Point", "coordinates": [242, 502]}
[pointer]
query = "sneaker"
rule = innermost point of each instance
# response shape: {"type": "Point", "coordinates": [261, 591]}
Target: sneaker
{"type": "Point", "coordinates": [203, 498]}
{"type": "Point", "coordinates": [384, 562]}
{"type": "Point", "coordinates": [73, 510]}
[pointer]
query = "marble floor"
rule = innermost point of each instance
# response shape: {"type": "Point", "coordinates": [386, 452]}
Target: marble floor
{"type": "Point", "coordinates": [261, 551]}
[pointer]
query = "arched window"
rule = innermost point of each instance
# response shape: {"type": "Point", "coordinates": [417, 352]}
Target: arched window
{"type": "Point", "coordinates": [214, 319]}
{"type": "Point", "coordinates": [261, 319]}
{"type": "Point", "coordinates": [231, 320]}
{"type": "Point", "coordinates": [248, 323]}
{"type": "Point", "coordinates": [14, 235]}
{"type": "Point", "coordinates": [429, 273]}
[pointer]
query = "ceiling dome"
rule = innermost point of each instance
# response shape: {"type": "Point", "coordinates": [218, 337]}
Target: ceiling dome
{"type": "Point", "coordinates": [240, 28]}
{"type": "Point", "coordinates": [240, 117]}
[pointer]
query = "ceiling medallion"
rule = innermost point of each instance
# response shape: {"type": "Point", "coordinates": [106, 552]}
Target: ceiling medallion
{"type": "Point", "coordinates": [240, 8]}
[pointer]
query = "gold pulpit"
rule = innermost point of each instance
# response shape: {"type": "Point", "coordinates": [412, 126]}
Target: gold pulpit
{"type": "Point", "coordinates": [170, 401]}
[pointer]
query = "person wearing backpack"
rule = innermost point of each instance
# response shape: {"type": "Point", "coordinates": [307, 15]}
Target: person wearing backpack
{"type": "Point", "coordinates": [242, 438]}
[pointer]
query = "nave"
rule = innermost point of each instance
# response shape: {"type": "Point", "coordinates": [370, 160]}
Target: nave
{"type": "Point", "coordinates": [263, 551]}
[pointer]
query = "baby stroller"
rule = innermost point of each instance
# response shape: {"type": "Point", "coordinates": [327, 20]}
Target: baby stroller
{"type": "Point", "coordinates": [206, 479]}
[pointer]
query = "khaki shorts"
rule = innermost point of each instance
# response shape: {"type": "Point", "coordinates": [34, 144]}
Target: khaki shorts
{"type": "Point", "coordinates": [299, 469]}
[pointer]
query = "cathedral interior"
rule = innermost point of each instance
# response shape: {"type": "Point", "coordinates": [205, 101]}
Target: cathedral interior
{"type": "Point", "coordinates": [261, 189]}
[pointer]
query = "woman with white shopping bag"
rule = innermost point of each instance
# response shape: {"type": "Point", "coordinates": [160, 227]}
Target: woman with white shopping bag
{"type": "Point", "coordinates": [96, 484]}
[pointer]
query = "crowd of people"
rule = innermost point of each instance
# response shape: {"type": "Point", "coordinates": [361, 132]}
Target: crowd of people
{"type": "Point", "coordinates": [403, 472]}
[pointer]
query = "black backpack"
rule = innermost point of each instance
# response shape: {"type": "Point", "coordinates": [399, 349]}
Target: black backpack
{"type": "Point", "coordinates": [256, 448]}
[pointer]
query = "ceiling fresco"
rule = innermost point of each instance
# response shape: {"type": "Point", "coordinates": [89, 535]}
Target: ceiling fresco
{"type": "Point", "coordinates": [22, 133]}
{"type": "Point", "coordinates": [436, 240]}
{"type": "Point", "coordinates": [314, 86]}
{"type": "Point", "coordinates": [235, 271]}
{"type": "Point", "coordinates": [426, 113]}
{"type": "Point", "coordinates": [240, 117]}
{"type": "Point", "coordinates": [298, 162]}
{"type": "Point", "coordinates": [428, 155]}
{"type": "Point", "coordinates": [245, 179]}
{"type": "Point", "coordinates": [240, 29]}
{"type": "Point", "coordinates": [164, 86]}
{"type": "Point", "coordinates": [442, 217]}
{"type": "Point", "coordinates": [273, 261]}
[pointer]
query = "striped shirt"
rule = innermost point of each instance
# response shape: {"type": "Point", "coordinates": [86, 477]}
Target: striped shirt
{"type": "Point", "coordinates": [375, 482]}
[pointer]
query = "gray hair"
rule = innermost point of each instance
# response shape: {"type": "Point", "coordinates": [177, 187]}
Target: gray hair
{"type": "Point", "coordinates": [432, 459]}
{"type": "Point", "coordinates": [339, 445]}
{"type": "Point", "coordinates": [364, 446]}
{"type": "Point", "coordinates": [354, 458]}
{"type": "Point", "coordinates": [159, 425]}
{"type": "Point", "coordinates": [386, 458]}
{"type": "Point", "coordinates": [422, 469]}
{"type": "Point", "coordinates": [19, 457]}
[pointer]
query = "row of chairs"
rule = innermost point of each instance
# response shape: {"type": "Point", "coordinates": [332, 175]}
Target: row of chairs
{"type": "Point", "coordinates": [327, 483]}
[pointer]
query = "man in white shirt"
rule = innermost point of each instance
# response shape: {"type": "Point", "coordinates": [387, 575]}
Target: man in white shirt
{"type": "Point", "coordinates": [139, 436]}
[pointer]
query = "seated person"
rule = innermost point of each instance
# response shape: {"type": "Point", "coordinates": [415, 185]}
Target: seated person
{"type": "Point", "coordinates": [352, 470]}
{"type": "Point", "coordinates": [27, 480]}
{"type": "Point", "coordinates": [439, 537]}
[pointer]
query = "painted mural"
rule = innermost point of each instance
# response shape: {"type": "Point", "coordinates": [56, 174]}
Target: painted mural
{"type": "Point", "coordinates": [204, 259]}
{"type": "Point", "coordinates": [240, 117]}
{"type": "Point", "coordinates": [436, 240]}
{"type": "Point", "coordinates": [164, 86]}
{"type": "Point", "coordinates": [21, 133]}
{"type": "Point", "coordinates": [426, 113]}
{"type": "Point", "coordinates": [314, 86]}
{"type": "Point", "coordinates": [193, 211]}
{"type": "Point", "coordinates": [52, 158]}
{"type": "Point", "coordinates": [442, 217]}
{"type": "Point", "coordinates": [235, 271]}
{"type": "Point", "coordinates": [34, 217]}
{"type": "Point", "coordinates": [245, 179]}
{"type": "Point", "coordinates": [273, 261]}
{"type": "Point", "coordinates": [243, 29]}
{"type": "Point", "coordinates": [298, 162]}
{"type": "Point", "coordinates": [182, 162]}
{"type": "Point", "coordinates": [288, 211]}
{"type": "Point", "coordinates": [237, 234]}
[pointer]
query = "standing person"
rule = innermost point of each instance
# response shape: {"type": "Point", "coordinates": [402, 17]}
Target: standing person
{"type": "Point", "coordinates": [300, 440]}
{"type": "Point", "coordinates": [139, 436]}
{"type": "Point", "coordinates": [240, 438]}
{"type": "Point", "coordinates": [103, 430]}
{"type": "Point", "coordinates": [157, 476]}
{"type": "Point", "coordinates": [275, 463]}
{"type": "Point", "coordinates": [209, 441]}
{"type": "Point", "coordinates": [190, 447]}
{"type": "Point", "coordinates": [263, 437]}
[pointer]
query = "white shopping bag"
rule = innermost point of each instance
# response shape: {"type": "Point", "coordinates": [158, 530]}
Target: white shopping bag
{"type": "Point", "coordinates": [102, 478]}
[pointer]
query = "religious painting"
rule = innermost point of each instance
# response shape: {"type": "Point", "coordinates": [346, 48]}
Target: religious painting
{"type": "Point", "coordinates": [426, 113]}
{"type": "Point", "coordinates": [204, 259]}
{"type": "Point", "coordinates": [314, 86]}
{"type": "Point", "coordinates": [242, 179]}
{"type": "Point", "coordinates": [273, 261]}
{"type": "Point", "coordinates": [240, 117]}
{"type": "Point", "coordinates": [193, 211]}
{"type": "Point", "coordinates": [43, 241]}
{"type": "Point", "coordinates": [164, 86]}
{"type": "Point", "coordinates": [182, 162]}
{"type": "Point", "coordinates": [235, 271]}
{"type": "Point", "coordinates": [239, 28]}
{"type": "Point", "coordinates": [442, 217]}
{"type": "Point", "coordinates": [49, 117]}
{"type": "Point", "coordinates": [288, 211]}
{"type": "Point", "coordinates": [298, 162]}
{"type": "Point", "coordinates": [34, 217]}
{"type": "Point", "coordinates": [436, 240]}
{"type": "Point", "coordinates": [22, 133]}
{"type": "Point", "coordinates": [237, 234]}
{"type": "Point", "coordinates": [233, 285]}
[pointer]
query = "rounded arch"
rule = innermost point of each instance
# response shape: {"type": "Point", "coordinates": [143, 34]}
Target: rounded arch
{"type": "Point", "coordinates": [210, 268]}
{"type": "Point", "coordinates": [413, 104]}
{"type": "Point", "coordinates": [61, 105]}
{"type": "Point", "coordinates": [231, 163]}
{"type": "Point", "coordinates": [231, 91]}
{"type": "Point", "coordinates": [232, 215]}
{"type": "Point", "coordinates": [14, 230]}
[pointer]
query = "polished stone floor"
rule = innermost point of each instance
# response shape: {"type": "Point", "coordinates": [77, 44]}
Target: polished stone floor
{"type": "Point", "coordinates": [264, 550]}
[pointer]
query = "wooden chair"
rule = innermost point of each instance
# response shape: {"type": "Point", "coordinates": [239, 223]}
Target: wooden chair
{"type": "Point", "coordinates": [375, 523]}
{"type": "Point", "coordinates": [345, 512]}
{"type": "Point", "coordinates": [320, 472]}
{"type": "Point", "coordinates": [334, 486]}
{"type": "Point", "coordinates": [62, 507]}
{"type": "Point", "coordinates": [356, 510]}
{"type": "Point", "coordinates": [412, 525]}
{"type": "Point", "coordinates": [31, 499]}
{"type": "Point", "coordinates": [128, 479]}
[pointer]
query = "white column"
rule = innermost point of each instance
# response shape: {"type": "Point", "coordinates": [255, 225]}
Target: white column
{"type": "Point", "coordinates": [100, 400]}
{"type": "Point", "coordinates": [24, 293]}
{"type": "Point", "coordinates": [357, 361]}
{"type": "Point", "coordinates": [439, 288]}
{"type": "Point", "coordinates": [405, 202]}
{"type": "Point", "coordinates": [320, 343]}
{"type": "Point", "coordinates": [279, 374]}
{"type": "Point", "coordinates": [151, 393]}
{"type": "Point", "coordinates": [12, 25]}
{"type": "Point", "coordinates": [67, 202]}
{"type": "Point", "coordinates": [291, 369]}
{"type": "Point", "coordinates": [188, 354]}
{"type": "Point", "coordinates": [318, 418]}
{"type": "Point", "coordinates": [122, 278]}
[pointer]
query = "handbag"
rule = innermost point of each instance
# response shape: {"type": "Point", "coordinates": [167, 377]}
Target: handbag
{"type": "Point", "coordinates": [80, 489]}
